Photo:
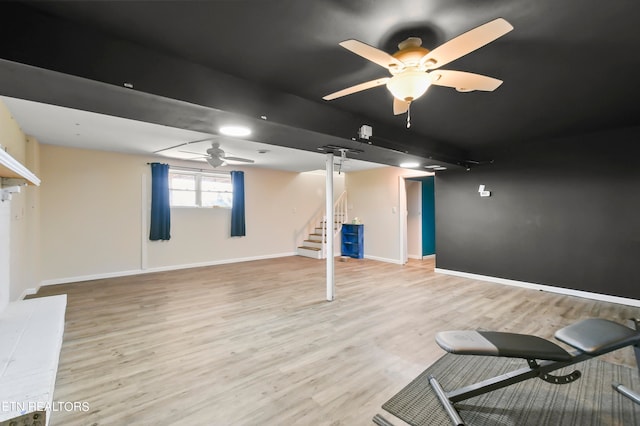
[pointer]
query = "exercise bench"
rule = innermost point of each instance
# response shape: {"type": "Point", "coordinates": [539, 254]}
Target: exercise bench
{"type": "Point", "coordinates": [590, 338]}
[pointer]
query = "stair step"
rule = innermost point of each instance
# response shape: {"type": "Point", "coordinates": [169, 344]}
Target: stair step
{"type": "Point", "coordinates": [312, 252]}
{"type": "Point", "coordinates": [312, 243]}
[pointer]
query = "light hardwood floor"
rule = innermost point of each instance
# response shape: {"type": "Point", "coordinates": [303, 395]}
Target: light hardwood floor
{"type": "Point", "coordinates": [255, 343]}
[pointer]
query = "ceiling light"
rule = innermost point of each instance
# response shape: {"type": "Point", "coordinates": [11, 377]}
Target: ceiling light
{"type": "Point", "coordinates": [237, 131]}
{"type": "Point", "coordinates": [433, 166]}
{"type": "Point", "coordinates": [409, 165]}
{"type": "Point", "coordinates": [409, 85]}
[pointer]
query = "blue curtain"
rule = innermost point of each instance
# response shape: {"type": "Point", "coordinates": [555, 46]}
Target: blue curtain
{"type": "Point", "coordinates": [237, 206]}
{"type": "Point", "coordinates": [160, 208]}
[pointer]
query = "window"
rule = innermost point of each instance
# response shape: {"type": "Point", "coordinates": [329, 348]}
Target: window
{"type": "Point", "coordinates": [200, 189]}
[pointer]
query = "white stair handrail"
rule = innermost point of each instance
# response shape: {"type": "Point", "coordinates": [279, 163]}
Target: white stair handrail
{"type": "Point", "coordinates": [340, 216]}
{"type": "Point", "coordinates": [340, 212]}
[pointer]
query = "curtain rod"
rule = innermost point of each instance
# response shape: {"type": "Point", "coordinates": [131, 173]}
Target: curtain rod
{"type": "Point", "coordinates": [193, 169]}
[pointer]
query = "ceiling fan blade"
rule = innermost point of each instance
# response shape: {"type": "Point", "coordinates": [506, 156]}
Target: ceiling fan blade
{"type": "Point", "coordinates": [466, 43]}
{"type": "Point", "coordinates": [464, 81]}
{"type": "Point", "coordinates": [182, 144]}
{"type": "Point", "coordinates": [242, 160]}
{"type": "Point", "coordinates": [192, 152]}
{"type": "Point", "coordinates": [357, 88]}
{"type": "Point", "coordinates": [400, 107]}
{"type": "Point", "coordinates": [372, 54]}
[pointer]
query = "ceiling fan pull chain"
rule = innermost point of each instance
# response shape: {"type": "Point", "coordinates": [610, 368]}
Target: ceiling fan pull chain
{"type": "Point", "coordinates": [409, 116]}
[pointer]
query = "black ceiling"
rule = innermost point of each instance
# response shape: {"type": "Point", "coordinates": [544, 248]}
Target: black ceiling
{"type": "Point", "coordinates": [568, 67]}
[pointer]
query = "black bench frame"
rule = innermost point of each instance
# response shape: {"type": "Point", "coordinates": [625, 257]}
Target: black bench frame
{"type": "Point", "coordinates": [623, 390]}
{"type": "Point", "coordinates": [535, 369]}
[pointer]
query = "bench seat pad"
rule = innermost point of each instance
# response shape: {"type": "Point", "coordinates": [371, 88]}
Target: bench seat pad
{"type": "Point", "coordinates": [597, 336]}
{"type": "Point", "coordinates": [494, 343]}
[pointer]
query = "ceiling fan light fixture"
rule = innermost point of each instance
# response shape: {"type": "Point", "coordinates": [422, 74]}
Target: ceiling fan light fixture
{"type": "Point", "coordinates": [409, 85]}
{"type": "Point", "coordinates": [237, 131]}
{"type": "Point", "coordinates": [215, 161]}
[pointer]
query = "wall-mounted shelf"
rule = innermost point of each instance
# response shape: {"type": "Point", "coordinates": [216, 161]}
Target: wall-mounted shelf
{"type": "Point", "coordinates": [12, 168]}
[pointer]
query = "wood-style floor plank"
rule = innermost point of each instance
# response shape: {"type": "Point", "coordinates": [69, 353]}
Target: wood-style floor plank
{"type": "Point", "coordinates": [255, 343]}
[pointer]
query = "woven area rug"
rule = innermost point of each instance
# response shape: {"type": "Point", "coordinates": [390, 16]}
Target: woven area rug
{"type": "Point", "coordinates": [589, 401]}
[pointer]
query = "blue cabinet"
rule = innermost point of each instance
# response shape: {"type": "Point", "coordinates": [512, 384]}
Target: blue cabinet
{"type": "Point", "coordinates": [352, 240]}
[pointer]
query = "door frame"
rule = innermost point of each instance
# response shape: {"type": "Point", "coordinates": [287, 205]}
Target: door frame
{"type": "Point", "coordinates": [403, 213]}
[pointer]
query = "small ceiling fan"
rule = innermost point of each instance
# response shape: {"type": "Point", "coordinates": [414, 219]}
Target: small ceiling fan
{"type": "Point", "coordinates": [216, 156]}
{"type": "Point", "coordinates": [412, 67]}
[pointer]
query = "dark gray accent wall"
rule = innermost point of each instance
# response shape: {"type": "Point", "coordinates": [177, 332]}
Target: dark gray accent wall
{"type": "Point", "coordinates": [564, 213]}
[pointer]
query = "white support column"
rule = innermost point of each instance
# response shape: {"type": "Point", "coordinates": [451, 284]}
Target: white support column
{"type": "Point", "coordinates": [331, 286]}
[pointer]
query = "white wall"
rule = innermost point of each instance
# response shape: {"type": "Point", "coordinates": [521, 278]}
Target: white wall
{"type": "Point", "coordinates": [91, 209]}
{"type": "Point", "coordinates": [5, 250]}
{"type": "Point", "coordinates": [95, 221]}
{"type": "Point", "coordinates": [19, 218]}
{"type": "Point", "coordinates": [374, 197]}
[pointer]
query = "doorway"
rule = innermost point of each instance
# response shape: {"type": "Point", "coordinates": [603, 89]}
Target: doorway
{"type": "Point", "coordinates": [417, 198]}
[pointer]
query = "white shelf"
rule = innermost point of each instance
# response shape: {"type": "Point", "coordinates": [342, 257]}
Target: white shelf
{"type": "Point", "coordinates": [12, 168]}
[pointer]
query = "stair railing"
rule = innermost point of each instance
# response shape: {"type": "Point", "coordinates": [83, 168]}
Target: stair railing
{"type": "Point", "coordinates": [340, 216]}
{"type": "Point", "coordinates": [340, 213]}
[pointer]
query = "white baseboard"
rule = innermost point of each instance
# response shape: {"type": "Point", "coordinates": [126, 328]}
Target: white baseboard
{"type": "Point", "coordinates": [418, 257]}
{"type": "Point", "coordinates": [383, 259]}
{"type": "Point", "coordinates": [397, 261]}
{"type": "Point", "coordinates": [117, 274]}
{"type": "Point", "coordinates": [28, 292]}
{"type": "Point", "coordinates": [550, 289]}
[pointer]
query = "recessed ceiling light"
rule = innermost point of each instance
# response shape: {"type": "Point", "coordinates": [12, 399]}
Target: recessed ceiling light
{"type": "Point", "coordinates": [439, 168]}
{"type": "Point", "coordinates": [235, 130]}
{"type": "Point", "coordinates": [433, 166]}
{"type": "Point", "coordinates": [409, 164]}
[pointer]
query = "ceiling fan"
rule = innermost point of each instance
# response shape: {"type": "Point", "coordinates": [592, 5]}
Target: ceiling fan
{"type": "Point", "coordinates": [216, 156]}
{"type": "Point", "coordinates": [412, 67]}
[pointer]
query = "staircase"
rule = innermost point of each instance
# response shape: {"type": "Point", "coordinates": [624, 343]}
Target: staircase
{"type": "Point", "coordinates": [315, 245]}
